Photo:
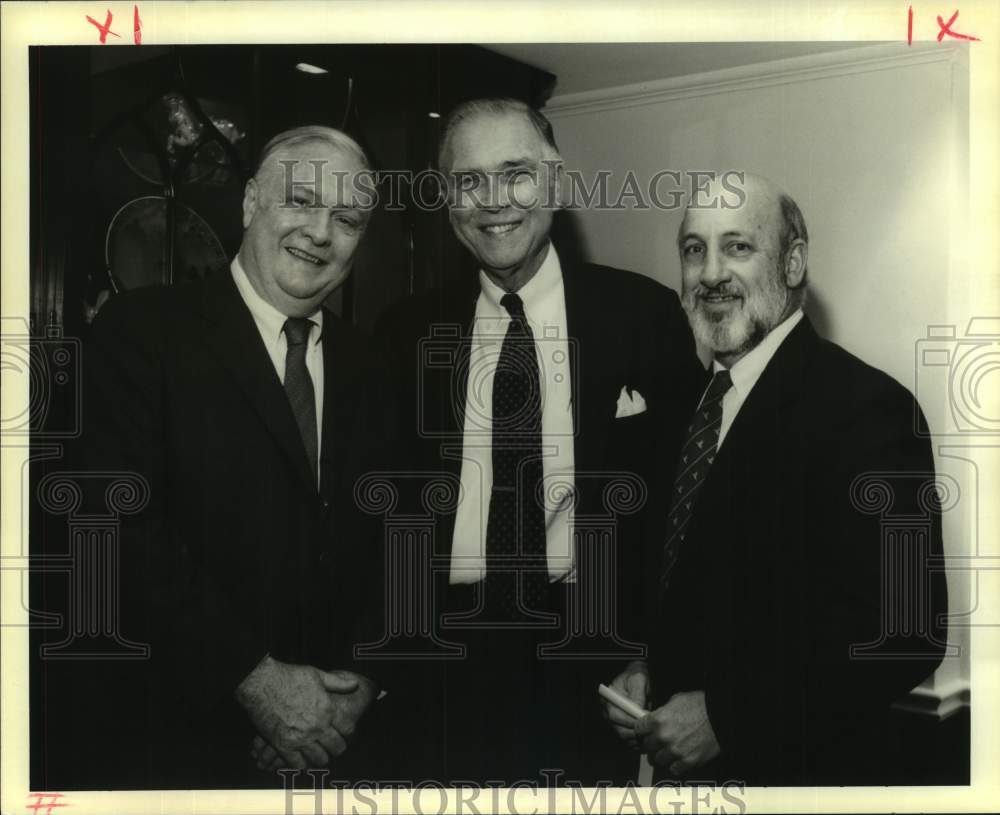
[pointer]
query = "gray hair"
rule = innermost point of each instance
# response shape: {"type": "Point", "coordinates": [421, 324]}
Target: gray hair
{"type": "Point", "coordinates": [312, 133]}
{"type": "Point", "coordinates": [496, 106]}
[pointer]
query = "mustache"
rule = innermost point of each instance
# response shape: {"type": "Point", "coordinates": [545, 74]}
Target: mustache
{"type": "Point", "coordinates": [725, 290]}
{"type": "Point", "coordinates": [691, 296]}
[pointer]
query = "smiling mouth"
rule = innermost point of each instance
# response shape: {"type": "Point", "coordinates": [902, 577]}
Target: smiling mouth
{"type": "Point", "coordinates": [720, 302]}
{"type": "Point", "coordinates": [500, 229]}
{"type": "Point", "coordinates": [719, 299]}
{"type": "Point", "coordinates": [301, 255]}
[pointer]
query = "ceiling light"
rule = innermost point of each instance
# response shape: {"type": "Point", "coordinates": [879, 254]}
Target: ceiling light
{"type": "Point", "coordinates": [306, 68]}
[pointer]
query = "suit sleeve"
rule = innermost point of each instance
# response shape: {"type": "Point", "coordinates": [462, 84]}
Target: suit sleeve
{"type": "Point", "coordinates": [671, 371]}
{"type": "Point", "coordinates": [376, 423]}
{"type": "Point", "coordinates": [387, 421]}
{"type": "Point", "coordinates": [197, 636]}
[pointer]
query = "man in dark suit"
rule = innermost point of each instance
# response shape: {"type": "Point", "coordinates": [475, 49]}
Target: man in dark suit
{"type": "Point", "coordinates": [796, 598]}
{"type": "Point", "coordinates": [241, 402]}
{"type": "Point", "coordinates": [533, 390]}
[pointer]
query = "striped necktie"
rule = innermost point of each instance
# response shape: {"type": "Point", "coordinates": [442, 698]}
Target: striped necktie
{"type": "Point", "coordinates": [299, 386]}
{"type": "Point", "coordinates": [696, 459]}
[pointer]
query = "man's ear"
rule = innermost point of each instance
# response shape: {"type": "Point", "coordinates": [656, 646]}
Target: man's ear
{"type": "Point", "coordinates": [250, 201]}
{"type": "Point", "coordinates": [796, 259]}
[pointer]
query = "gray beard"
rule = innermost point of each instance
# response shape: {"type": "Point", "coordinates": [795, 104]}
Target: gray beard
{"type": "Point", "coordinates": [741, 331]}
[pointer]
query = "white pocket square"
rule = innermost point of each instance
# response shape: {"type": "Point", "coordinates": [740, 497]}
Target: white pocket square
{"type": "Point", "coordinates": [629, 405]}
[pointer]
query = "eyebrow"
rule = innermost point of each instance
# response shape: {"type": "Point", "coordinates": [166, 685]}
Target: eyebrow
{"type": "Point", "coordinates": [352, 207]}
{"type": "Point", "coordinates": [730, 233]}
{"type": "Point", "coordinates": [303, 191]}
{"type": "Point", "coordinates": [337, 207]}
{"type": "Point", "coordinates": [517, 162]}
{"type": "Point", "coordinates": [504, 165]}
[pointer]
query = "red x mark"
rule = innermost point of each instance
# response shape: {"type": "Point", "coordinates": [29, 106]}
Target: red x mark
{"type": "Point", "coordinates": [106, 28]}
{"type": "Point", "coordinates": [946, 29]}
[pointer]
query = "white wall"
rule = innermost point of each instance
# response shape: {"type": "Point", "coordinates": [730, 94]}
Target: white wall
{"type": "Point", "coordinates": [872, 143]}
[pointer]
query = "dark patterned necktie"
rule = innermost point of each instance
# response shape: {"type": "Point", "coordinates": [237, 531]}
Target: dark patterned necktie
{"type": "Point", "coordinates": [299, 386]}
{"type": "Point", "coordinates": [515, 529]}
{"type": "Point", "coordinates": [697, 456]}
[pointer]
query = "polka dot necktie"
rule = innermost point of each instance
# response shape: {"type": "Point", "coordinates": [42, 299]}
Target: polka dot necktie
{"type": "Point", "coordinates": [697, 456]}
{"type": "Point", "coordinates": [515, 530]}
{"type": "Point", "coordinates": [299, 386]}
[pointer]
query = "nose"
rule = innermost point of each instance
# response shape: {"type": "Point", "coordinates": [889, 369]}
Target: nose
{"type": "Point", "coordinates": [497, 195]}
{"type": "Point", "coordinates": [317, 226]}
{"type": "Point", "coordinates": [713, 271]}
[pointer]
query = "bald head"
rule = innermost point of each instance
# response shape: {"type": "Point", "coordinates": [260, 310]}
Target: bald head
{"type": "Point", "coordinates": [759, 192]}
{"type": "Point", "coordinates": [743, 265]}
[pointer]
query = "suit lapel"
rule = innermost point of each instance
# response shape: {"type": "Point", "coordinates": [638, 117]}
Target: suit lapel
{"type": "Point", "coordinates": [760, 416]}
{"type": "Point", "coordinates": [339, 404]}
{"type": "Point", "coordinates": [232, 335]}
{"type": "Point", "coordinates": [457, 312]}
{"type": "Point", "coordinates": [592, 366]}
{"type": "Point", "coordinates": [441, 387]}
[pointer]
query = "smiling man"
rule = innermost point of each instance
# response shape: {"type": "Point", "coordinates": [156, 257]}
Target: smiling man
{"type": "Point", "coordinates": [304, 212]}
{"type": "Point", "coordinates": [240, 400]}
{"type": "Point", "coordinates": [557, 373]}
{"type": "Point", "coordinates": [785, 618]}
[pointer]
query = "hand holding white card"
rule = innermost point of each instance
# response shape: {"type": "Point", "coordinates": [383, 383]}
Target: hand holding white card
{"type": "Point", "coordinates": [645, 774]}
{"type": "Point", "coordinates": [621, 702]}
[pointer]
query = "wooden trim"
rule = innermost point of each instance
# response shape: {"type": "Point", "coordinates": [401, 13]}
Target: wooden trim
{"type": "Point", "coordinates": [936, 703]}
{"type": "Point", "coordinates": [877, 57]}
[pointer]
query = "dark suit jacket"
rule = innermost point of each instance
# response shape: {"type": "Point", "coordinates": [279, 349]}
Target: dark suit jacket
{"type": "Point", "coordinates": [624, 330]}
{"type": "Point", "coordinates": [237, 555]}
{"type": "Point", "coordinates": [785, 567]}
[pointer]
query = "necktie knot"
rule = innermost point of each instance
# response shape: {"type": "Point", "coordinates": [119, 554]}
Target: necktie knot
{"type": "Point", "coordinates": [514, 305]}
{"type": "Point", "coordinates": [720, 384]}
{"type": "Point", "coordinates": [297, 330]}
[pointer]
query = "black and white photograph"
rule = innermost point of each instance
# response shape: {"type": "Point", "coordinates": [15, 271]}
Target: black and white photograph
{"type": "Point", "coordinates": [445, 408]}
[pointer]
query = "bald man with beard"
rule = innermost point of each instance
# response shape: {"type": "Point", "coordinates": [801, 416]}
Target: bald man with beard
{"type": "Point", "coordinates": [772, 657]}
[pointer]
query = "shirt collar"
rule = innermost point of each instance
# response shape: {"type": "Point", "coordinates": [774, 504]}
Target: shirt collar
{"type": "Point", "coordinates": [747, 371]}
{"type": "Point", "coordinates": [269, 320]}
{"type": "Point", "coordinates": [536, 294]}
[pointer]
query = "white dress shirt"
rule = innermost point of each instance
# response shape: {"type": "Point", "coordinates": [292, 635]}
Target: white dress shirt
{"type": "Point", "coordinates": [545, 309]}
{"type": "Point", "coordinates": [270, 323]}
{"type": "Point", "coordinates": [747, 371]}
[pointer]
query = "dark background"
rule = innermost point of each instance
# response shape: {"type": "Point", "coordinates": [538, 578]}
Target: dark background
{"type": "Point", "coordinates": [100, 133]}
